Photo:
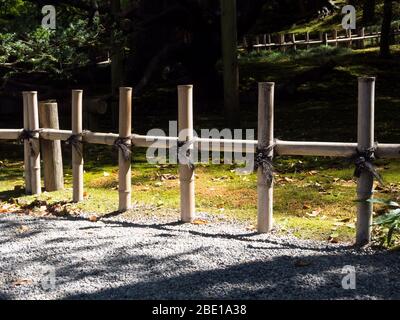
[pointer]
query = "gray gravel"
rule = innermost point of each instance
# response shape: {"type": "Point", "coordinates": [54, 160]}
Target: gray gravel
{"type": "Point", "coordinates": [148, 259]}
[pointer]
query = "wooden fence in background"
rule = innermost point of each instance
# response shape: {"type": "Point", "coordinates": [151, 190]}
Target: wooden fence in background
{"type": "Point", "coordinates": [266, 141]}
{"type": "Point", "coordinates": [294, 41]}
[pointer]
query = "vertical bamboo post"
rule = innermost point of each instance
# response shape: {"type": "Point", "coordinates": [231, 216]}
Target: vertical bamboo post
{"type": "Point", "coordinates": [125, 132]}
{"type": "Point", "coordinates": [269, 41]}
{"type": "Point", "coordinates": [349, 36]}
{"type": "Point", "coordinates": [265, 139]}
{"type": "Point", "coordinates": [265, 41]}
{"type": "Point", "coordinates": [77, 151]}
{"type": "Point", "coordinates": [257, 43]}
{"type": "Point", "coordinates": [326, 43]}
{"type": "Point", "coordinates": [245, 44]}
{"type": "Point", "coordinates": [293, 39]}
{"type": "Point", "coordinates": [32, 100]}
{"type": "Point", "coordinates": [51, 150]}
{"type": "Point", "coordinates": [307, 39]}
{"type": "Point", "coordinates": [321, 36]}
{"type": "Point", "coordinates": [27, 150]}
{"type": "Point", "coordinates": [282, 42]}
{"type": "Point", "coordinates": [186, 174]}
{"type": "Point", "coordinates": [335, 37]}
{"type": "Point", "coordinates": [366, 140]}
{"type": "Point", "coordinates": [361, 43]}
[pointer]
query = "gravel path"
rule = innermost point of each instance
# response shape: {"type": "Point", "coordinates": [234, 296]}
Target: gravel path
{"type": "Point", "coordinates": [116, 259]}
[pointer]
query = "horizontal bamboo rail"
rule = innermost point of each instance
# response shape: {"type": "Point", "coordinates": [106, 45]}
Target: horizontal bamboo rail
{"type": "Point", "coordinates": [323, 39]}
{"type": "Point", "coordinates": [283, 148]}
{"type": "Point", "coordinates": [266, 146]}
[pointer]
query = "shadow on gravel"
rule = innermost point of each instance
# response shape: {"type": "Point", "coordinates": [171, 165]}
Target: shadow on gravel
{"type": "Point", "coordinates": [278, 278]}
{"type": "Point", "coordinates": [247, 237]}
{"type": "Point", "coordinates": [202, 272]}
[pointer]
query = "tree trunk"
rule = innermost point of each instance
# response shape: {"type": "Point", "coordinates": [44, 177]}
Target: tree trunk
{"type": "Point", "coordinates": [386, 29]}
{"type": "Point", "coordinates": [117, 66]}
{"type": "Point", "coordinates": [369, 11]}
{"type": "Point", "coordinates": [230, 62]}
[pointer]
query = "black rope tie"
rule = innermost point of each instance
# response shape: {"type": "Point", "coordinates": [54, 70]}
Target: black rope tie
{"type": "Point", "coordinates": [364, 163]}
{"type": "Point", "coordinates": [76, 142]}
{"type": "Point", "coordinates": [184, 153]}
{"type": "Point", "coordinates": [124, 144]}
{"type": "Point", "coordinates": [264, 161]}
{"type": "Point", "coordinates": [28, 135]}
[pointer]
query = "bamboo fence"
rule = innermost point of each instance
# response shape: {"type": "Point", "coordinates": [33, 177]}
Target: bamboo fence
{"type": "Point", "coordinates": [125, 140]}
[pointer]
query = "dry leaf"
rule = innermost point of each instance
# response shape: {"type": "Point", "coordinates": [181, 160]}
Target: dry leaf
{"type": "Point", "coordinates": [200, 222]}
{"type": "Point", "coordinates": [334, 238]}
{"type": "Point", "coordinates": [168, 176]}
{"type": "Point", "coordinates": [21, 282]}
{"type": "Point", "coordinates": [338, 224]}
{"type": "Point", "coordinates": [314, 214]}
{"type": "Point", "coordinates": [302, 263]}
{"type": "Point", "coordinates": [251, 228]}
{"type": "Point", "coordinates": [23, 229]}
{"type": "Point", "coordinates": [93, 218]}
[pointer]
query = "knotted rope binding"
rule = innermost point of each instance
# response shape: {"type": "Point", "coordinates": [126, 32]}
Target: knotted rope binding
{"type": "Point", "coordinates": [184, 152]}
{"type": "Point", "coordinates": [264, 161]}
{"type": "Point", "coordinates": [364, 163]}
{"type": "Point", "coordinates": [124, 144]}
{"type": "Point", "coordinates": [29, 135]}
{"type": "Point", "coordinates": [75, 141]}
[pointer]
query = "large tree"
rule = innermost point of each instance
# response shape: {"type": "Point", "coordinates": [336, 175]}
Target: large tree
{"type": "Point", "coordinates": [369, 11]}
{"type": "Point", "coordinates": [386, 29]}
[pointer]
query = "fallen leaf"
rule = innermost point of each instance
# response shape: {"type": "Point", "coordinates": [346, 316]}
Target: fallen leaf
{"type": "Point", "coordinates": [251, 228]}
{"type": "Point", "coordinates": [21, 282]}
{"type": "Point", "coordinates": [338, 224]}
{"type": "Point", "coordinates": [93, 218]}
{"type": "Point", "coordinates": [199, 222]}
{"type": "Point", "coordinates": [302, 263]}
{"type": "Point", "coordinates": [168, 176]}
{"type": "Point", "coordinates": [18, 188]}
{"type": "Point", "coordinates": [23, 229]}
{"type": "Point", "coordinates": [334, 238]}
{"type": "Point", "coordinates": [314, 214]}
